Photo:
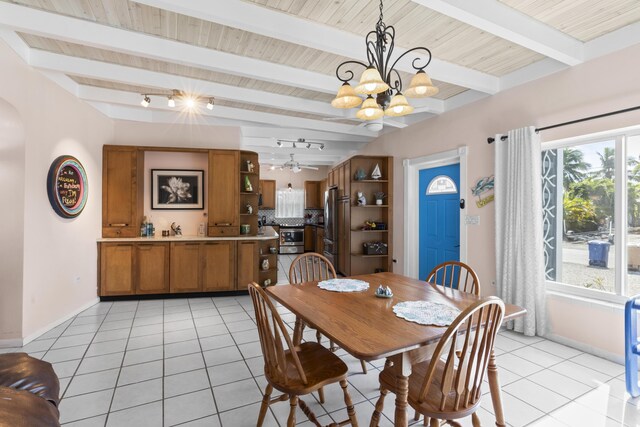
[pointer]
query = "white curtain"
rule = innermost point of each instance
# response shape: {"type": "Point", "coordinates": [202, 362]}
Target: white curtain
{"type": "Point", "coordinates": [290, 203]}
{"type": "Point", "coordinates": [519, 241]}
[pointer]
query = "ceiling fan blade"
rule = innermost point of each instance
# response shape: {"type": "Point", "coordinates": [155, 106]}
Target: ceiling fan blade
{"type": "Point", "coordinates": [313, 168]}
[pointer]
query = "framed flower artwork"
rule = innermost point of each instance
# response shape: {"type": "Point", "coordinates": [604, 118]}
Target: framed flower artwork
{"type": "Point", "coordinates": [177, 189]}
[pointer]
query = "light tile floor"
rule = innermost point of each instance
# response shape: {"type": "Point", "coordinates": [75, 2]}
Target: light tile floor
{"type": "Point", "coordinates": [197, 362]}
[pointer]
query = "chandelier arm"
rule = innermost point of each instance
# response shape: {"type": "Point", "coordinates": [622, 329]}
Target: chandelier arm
{"type": "Point", "coordinates": [397, 85]}
{"type": "Point", "coordinates": [371, 48]}
{"type": "Point", "coordinates": [389, 31]}
{"type": "Point", "coordinates": [348, 73]}
{"type": "Point", "coordinates": [413, 63]}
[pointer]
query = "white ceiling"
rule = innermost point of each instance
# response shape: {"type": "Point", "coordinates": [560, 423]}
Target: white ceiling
{"type": "Point", "coordinates": [270, 63]}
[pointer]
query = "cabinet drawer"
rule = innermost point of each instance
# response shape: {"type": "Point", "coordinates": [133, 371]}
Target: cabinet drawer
{"type": "Point", "coordinates": [224, 231]}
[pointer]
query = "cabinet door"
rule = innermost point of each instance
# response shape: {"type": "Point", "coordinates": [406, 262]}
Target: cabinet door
{"type": "Point", "coordinates": [152, 268]}
{"type": "Point", "coordinates": [344, 244]}
{"type": "Point", "coordinates": [341, 181]}
{"type": "Point", "coordinates": [120, 194]}
{"type": "Point", "coordinates": [309, 238]}
{"type": "Point", "coordinates": [116, 269]}
{"type": "Point", "coordinates": [224, 188]}
{"type": "Point", "coordinates": [323, 189]}
{"type": "Point", "coordinates": [247, 263]}
{"type": "Point", "coordinates": [319, 240]}
{"type": "Point", "coordinates": [312, 194]}
{"type": "Point", "coordinates": [218, 266]}
{"type": "Point", "coordinates": [185, 266]}
{"type": "Point", "coordinates": [268, 187]}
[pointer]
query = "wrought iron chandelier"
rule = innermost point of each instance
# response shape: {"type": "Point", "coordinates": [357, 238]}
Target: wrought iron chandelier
{"type": "Point", "coordinates": [382, 80]}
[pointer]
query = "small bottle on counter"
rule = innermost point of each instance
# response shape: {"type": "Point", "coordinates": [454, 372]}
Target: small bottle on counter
{"type": "Point", "coordinates": [143, 227]}
{"type": "Point", "coordinates": [151, 231]}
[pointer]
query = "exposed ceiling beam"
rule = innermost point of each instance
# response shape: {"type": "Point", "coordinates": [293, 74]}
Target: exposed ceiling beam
{"type": "Point", "coordinates": [140, 77]}
{"type": "Point", "coordinates": [613, 41]}
{"type": "Point", "coordinates": [95, 94]}
{"type": "Point", "coordinates": [292, 133]}
{"type": "Point", "coordinates": [500, 20]}
{"type": "Point", "coordinates": [74, 30]}
{"type": "Point", "coordinates": [261, 20]}
{"type": "Point", "coordinates": [330, 146]}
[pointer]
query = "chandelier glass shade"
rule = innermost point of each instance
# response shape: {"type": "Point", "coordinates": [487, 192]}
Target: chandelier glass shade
{"type": "Point", "coordinates": [380, 82]}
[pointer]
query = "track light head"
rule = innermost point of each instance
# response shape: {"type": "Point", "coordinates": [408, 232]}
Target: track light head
{"type": "Point", "coordinates": [308, 145]}
{"type": "Point", "coordinates": [171, 102]}
{"type": "Point", "coordinates": [210, 104]}
{"type": "Point", "coordinates": [294, 145]}
{"type": "Point", "coordinates": [321, 147]}
{"type": "Point", "coordinates": [145, 101]}
{"type": "Point", "coordinates": [279, 144]}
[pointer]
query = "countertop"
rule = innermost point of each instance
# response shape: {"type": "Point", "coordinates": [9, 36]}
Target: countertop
{"type": "Point", "coordinates": [268, 234]}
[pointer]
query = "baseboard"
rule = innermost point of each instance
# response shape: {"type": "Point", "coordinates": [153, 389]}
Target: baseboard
{"type": "Point", "coordinates": [613, 357]}
{"type": "Point", "coordinates": [12, 342]}
{"type": "Point", "coordinates": [26, 340]}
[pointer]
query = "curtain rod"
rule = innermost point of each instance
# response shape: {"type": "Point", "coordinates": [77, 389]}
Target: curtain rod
{"type": "Point", "coordinates": [491, 140]}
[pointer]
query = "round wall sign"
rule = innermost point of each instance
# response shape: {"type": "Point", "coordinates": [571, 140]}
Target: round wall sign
{"type": "Point", "coordinates": [67, 186]}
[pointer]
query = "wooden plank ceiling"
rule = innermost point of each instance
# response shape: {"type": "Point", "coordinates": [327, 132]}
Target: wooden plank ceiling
{"type": "Point", "coordinates": [584, 20]}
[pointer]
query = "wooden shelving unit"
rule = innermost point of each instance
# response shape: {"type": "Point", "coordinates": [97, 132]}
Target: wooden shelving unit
{"type": "Point", "coordinates": [359, 262]}
{"type": "Point", "coordinates": [272, 273]}
{"type": "Point", "coordinates": [249, 197]}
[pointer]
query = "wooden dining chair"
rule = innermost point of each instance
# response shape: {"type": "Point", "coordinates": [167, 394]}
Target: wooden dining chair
{"type": "Point", "coordinates": [447, 386]}
{"type": "Point", "coordinates": [294, 370]}
{"type": "Point", "coordinates": [455, 275]}
{"type": "Point", "coordinates": [306, 268]}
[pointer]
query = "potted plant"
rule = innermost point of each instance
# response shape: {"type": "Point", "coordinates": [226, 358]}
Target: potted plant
{"type": "Point", "coordinates": [379, 196]}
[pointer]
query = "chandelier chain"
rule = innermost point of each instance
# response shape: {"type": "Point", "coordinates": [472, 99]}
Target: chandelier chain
{"type": "Point", "coordinates": [380, 18]}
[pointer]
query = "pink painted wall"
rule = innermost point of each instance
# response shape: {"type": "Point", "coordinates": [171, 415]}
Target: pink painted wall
{"type": "Point", "coordinates": [605, 84]}
{"type": "Point", "coordinates": [162, 219]}
{"type": "Point", "coordinates": [59, 255]}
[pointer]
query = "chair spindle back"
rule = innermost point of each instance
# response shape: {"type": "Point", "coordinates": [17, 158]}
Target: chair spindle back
{"type": "Point", "coordinates": [309, 267]}
{"type": "Point", "coordinates": [274, 339]}
{"type": "Point", "coordinates": [465, 366]}
{"type": "Point", "coordinates": [455, 275]}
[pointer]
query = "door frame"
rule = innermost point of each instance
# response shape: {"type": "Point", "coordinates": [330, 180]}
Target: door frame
{"type": "Point", "coordinates": [412, 169]}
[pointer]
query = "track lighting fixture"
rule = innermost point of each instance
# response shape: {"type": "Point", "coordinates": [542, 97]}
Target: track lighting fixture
{"type": "Point", "coordinates": [189, 101]}
{"type": "Point", "coordinates": [300, 143]}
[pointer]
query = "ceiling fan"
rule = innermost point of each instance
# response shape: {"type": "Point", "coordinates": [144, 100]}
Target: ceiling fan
{"type": "Point", "coordinates": [375, 125]}
{"type": "Point", "coordinates": [294, 166]}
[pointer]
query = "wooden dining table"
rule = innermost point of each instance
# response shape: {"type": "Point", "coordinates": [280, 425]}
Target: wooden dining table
{"type": "Point", "coordinates": [367, 328]}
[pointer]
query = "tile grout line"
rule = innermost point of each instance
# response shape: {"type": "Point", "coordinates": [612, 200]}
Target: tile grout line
{"type": "Point", "coordinates": [124, 355]}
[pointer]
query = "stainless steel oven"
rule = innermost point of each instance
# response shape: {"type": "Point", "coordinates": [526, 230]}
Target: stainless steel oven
{"type": "Point", "coordinates": [291, 240]}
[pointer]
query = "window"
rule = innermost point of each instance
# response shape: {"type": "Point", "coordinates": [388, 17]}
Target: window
{"type": "Point", "coordinates": [290, 203]}
{"type": "Point", "coordinates": [591, 214]}
{"type": "Point", "coordinates": [441, 184]}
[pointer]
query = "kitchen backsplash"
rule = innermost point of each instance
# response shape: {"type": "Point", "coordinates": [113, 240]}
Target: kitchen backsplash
{"type": "Point", "coordinates": [271, 217]}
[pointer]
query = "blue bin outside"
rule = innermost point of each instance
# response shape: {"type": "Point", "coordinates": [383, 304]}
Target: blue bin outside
{"type": "Point", "coordinates": [599, 253]}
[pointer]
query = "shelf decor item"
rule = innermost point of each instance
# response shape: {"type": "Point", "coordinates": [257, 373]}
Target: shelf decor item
{"type": "Point", "coordinates": [379, 196]}
{"type": "Point", "coordinates": [375, 248]}
{"type": "Point", "coordinates": [249, 209]}
{"type": "Point", "coordinates": [362, 201]}
{"type": "Point", "coordinates": [376, 172]}
{"type": "Point", "coordinates": [374, 225]}
{"type": "Point", "coordinates": [248, 188]}
{"type": "Point", "coordinates": [360, 175]}
{"type": "Point", "coordinates": [177, 189]}
{"type": "Point", "coordinates": [67, 186]}
{"type": "Point", "coordinates": [250, 166]}
{"type": "Point", "coordinates": [245, 228]}
{"type": "Point", "coordinates": [265, 264]}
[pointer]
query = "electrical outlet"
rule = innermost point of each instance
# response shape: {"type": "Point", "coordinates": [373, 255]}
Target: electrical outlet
{"type": "Point", "coordinates": [472, 219]}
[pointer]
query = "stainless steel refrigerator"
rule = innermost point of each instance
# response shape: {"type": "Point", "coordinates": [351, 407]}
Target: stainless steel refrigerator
{"type": "Point", "coordinates": [331, 225]}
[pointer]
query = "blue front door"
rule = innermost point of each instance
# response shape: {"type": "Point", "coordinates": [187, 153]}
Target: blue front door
{"type": "Point", "coordinates": [439, 217]}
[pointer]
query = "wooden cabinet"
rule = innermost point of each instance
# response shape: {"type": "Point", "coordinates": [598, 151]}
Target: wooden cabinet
{"type": "Point", "coordinates": [319, 240]}
{"type": "Point", "coordinates": [268, 192]}
{"type": "Point", "coordinates": [309, 238]}
{"type": "Point", "coordinates": [116, 269]}
{"type": "Point", "coordinates": [247, 263]}
{"type": "Point", "coordinates": [312, 194]}
{"type": "Point", "coordinates": [218, 266]}
{"type": "Point", "coordinates": [152, 268]}
{"type": "Point", "coordinates": [122, 170]}
{"type": "Point", "coordinates": [344, 245]}
{"type": "Point", "coordinates": [185, 267]}
{"type": "Point", "coordinates": [323, 189]}
{"type": "Point", "coordinates": [223, 192]}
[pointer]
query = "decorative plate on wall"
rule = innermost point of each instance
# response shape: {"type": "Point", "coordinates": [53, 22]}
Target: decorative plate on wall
{"type": "Point", "coordinates": [67, 186]}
